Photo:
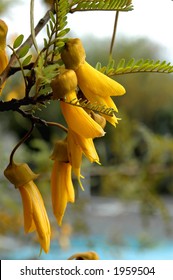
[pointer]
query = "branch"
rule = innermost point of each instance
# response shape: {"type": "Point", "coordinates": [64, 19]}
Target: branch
{"type": "Point", "coordinates": [29, 42]}
{"type": "Point", "coordinates": [15, 104]}
{"type": "Point", "coordinates": [32, 118]}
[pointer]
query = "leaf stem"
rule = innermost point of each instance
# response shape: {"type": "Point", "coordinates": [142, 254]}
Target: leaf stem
{"type": "Point", "coordinates": [32, 26]}
{"type": "Point", "coordinates": [21, 67]}
{"type": "Point", "coordinates": [58, 125]}
{"type": "Point", "coordinates": [26, 136]}
{"type": "Point", "coordinates": [113, 34]}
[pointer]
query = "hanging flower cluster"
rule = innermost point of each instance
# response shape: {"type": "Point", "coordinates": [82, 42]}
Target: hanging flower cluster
{"type": "Point", "coordinates": [96, 87]}
{"type": "Point", "coordinates": [35, 215]}
{"type": "Point", "coordinates": [76, 83]}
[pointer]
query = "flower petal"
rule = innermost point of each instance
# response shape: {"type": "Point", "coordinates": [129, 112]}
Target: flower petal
{"type": "Point", "coordinates": [75, 156]}
{"type": "Point", "coordinates": [87, 146]}
{"type": "Point", "coordinates": [95, 82]}
{"type": "Point", "coordinates": [61, 188]}
{"type": "Point", "coordinates": [29, 224]}
{"type": "Point", "coordinates": [40, 217]}
{"type": "Point", "coordinates": [79, 121]}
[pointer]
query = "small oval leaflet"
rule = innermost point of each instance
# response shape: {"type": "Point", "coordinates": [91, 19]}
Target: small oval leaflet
{"type": "Point", "coordinates": [18, 41]}
{"type": "Point", "coordinates": [24, 51]}
{"type": "Point", "coordinates": [27, 60]}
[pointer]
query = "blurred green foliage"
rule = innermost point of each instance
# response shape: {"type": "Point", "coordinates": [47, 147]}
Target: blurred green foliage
{"type": "Point", "coordinates": [5, 4]}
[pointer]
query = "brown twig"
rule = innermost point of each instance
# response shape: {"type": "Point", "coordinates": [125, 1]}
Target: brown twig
{"type": "Point", "coordinates": [26, 136]}
{"type": "Point", "coordinates": [57, 125]}
{"type": "Point", "coordinates": [15, 104]}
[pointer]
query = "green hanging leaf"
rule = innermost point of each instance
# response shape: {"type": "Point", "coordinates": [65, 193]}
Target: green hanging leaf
{"type": "Point", "coordinates": [52, 17]}
{"type": "Point", "coordinates": [60, 44]}
{"type": "Point", "coordinates": [63, 32]}
{"type": "Point", "coordinates": [27, 60]}
{"type": "Point", "coordinates": [45, 43]}
{"type": "Point", "coordinates": [23, 51]}
{"type": "Point", "coordinates": [48, 31]}
{"type": "Point", "coordinates": [18, 41]}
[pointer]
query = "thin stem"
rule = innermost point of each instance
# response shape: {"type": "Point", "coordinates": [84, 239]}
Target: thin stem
{"type": "Point", "coordinates": [27, 135]}
{"type": "Point", "coordinates": [15, 104]}
{"type": "Point", "coordinates": [32, 25]}
{"type": "Point", "coordinates": [21, 67]}
{"type": "Point", "coordinates": [56, 29]}
{"type": "Point", "coordinates": [58, 125]}
{"type": "Point", "coordinates": [113, 34]}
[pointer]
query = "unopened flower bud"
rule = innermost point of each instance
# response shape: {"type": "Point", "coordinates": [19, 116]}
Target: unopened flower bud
{"type": "Point", "coordinates": [73, 54]}
{"type": "Point", "coordinates": [60, 151]}
{"type": "Point", "coordinates": [19, 174]}
{"type": "Point", "coordinates": [98, 119]}
{"type": "Point", "coordinates": [64, 83]}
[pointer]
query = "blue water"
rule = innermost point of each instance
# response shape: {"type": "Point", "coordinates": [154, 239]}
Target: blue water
{"type": "Point", "coordinates": [131, 249]}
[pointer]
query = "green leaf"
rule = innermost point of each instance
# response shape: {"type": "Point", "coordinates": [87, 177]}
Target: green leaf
{"type": "Point", "coordinates": [48, 31]}
{"type": "Point", "coordinates": [138, 66]}
{"type": "Point", "coordinates": [23, 51]}
{"type": "Point", "coordinates": [98, 66]}
{"type": "Point", "coordinates": [45, 43]}
{"type": "Point", "coordinates": [110, 5]}
{"type": "Point", "coordinates": [60, 44]}
{"type": "Point", "coordinates": [18, 41]}
{"type": "Point", "coordinates": [27, 60]}
{"type": "Point", "coordinates": [52, 17]}
{"type": "Point", "coordinates": [51, 25]}
{"type": "Point", "coordinates": [121, 63]}
{"type": "Point", "coordinates": [63, 32]}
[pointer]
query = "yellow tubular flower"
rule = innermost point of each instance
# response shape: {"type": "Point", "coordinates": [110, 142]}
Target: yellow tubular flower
{"type": "Point", "coordinates": [75, 156]}
{"type": "Point", "coordinates": [35, 215]}
{"type": "Point", "coordinates": [85, 256]}
{"type": "Point", "coordinates": [62, 189]}
{"type": "Point", "coordinates": [78, 145]}
{"type": "Point", "coordinates": [96, 86]}
{"type": "Point", "coordinates": [85, 144]}
{"type": "Point", "coordinates": [77, 119]}
{"type": "Point", "coordinates": [3, 54]}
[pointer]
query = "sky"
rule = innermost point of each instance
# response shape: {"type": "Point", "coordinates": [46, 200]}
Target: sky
{"type": "Point", "coordinates": [150, 18]}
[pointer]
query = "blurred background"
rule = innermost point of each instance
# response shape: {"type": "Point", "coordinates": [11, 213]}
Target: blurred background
{"type": "Point", "coordinates": [126, 211]}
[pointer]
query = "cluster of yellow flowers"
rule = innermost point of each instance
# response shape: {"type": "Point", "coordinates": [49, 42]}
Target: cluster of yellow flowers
{"type": "Point", "coordinates": [83, 126]}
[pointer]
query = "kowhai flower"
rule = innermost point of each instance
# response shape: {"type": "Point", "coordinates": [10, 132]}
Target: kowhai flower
{"type": "Point", "coordinates": [96, 86]}
{"type": "Point", "coordinates": [3, 54]}
{"type": "Point", "coordinates": [62, 189]}
{"type": "Point", "coordinates": [35, 215]}
{"type": "Point", "coordinates": [78, 145]}
{"type": "Point", "coordinates": [78, 120]}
